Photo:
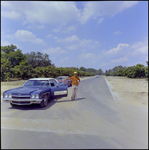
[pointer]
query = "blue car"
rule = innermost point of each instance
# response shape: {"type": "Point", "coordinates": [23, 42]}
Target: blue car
{"type": "Point", "coordinates": [36, 91]}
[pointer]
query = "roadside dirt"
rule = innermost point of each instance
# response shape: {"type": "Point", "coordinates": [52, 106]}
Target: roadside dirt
{"type": "Point", "coordinates": [132, 90]}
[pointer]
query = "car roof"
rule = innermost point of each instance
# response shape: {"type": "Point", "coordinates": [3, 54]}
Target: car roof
{"type": "Point", "coordinates": [62, 76]}
{"type": "Point", "coordinates": [41, 78]}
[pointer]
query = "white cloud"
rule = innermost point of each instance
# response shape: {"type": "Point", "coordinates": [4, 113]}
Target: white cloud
{"type": "Point", "coordinates": [62, 12]}
{"type": "Point", "coordinates": [97, 9]}
{"type": "Point", "coordinates": [36, 26]}
{"type": "Point", "coordinates": [49, 35]}
{"type": "Point", "coordinates": [6, 43]}
{"type": "Point", "coordinates": [141, 50]}
{"type": "Point", "coordinates": [70, 39]}
{"type": "Point", "coordinates": [64, 60]}
{"type": "Point", "coordinates": [69, 29]}
{"type": "Point", "coordinates": [32, 11]}
{"type": "Point", "coordinates": [56, 50]}
{"type": "Point", "coordinates": [116, 50]}
{"type": "Point", "coordinates": [120, 60]}
{"type": "Point", "coordinates": [89, 58]}
{"type": "Point", "coordinates": [55, 37]}
{"type": "Point", "coordinates": [117, 32]}
{"type": "Point", "coordinates": [10, 36]}
{"type": "Point", "coordinates": [11, 15]}
{"type": "Point", "coordinates": [77, 43]}
{"type": "Point", "coordinates": [27, 36]}
{"type": "Point", "coordinates": [57, 29]}
{"type": "Point", "coordinates": [100, 20]}
{"type": "Point", "coordinates": [72, 47]}
{"type": "Point", "coordinates": [140, 47]}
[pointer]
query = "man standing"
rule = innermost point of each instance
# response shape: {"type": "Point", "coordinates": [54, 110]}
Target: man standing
{"type": "Point", "coordinates": [75, 84]}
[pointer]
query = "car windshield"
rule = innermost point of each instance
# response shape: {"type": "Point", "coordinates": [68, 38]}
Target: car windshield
{"type": "Point", "coordinates": [38, 83]}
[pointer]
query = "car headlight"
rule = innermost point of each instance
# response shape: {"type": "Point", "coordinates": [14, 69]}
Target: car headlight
{"type": "Point", "coordinates": [7, 96]}
{"type": "Point", "coordinates": [35, 96]}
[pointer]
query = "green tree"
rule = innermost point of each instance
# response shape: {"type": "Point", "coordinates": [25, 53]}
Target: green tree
{"type": "Point", "coordinates": [139, 71]}
{"type": "Point", "coordinates": [11, 54]}
{"type": "Point", "coordinates": [38, 59]}
{"type": "Point", "coordinates": [82, 68]}
{"type": "Point", "coordinates": [100, 72]}
{"type": "Point", "coordinates": [5, 69]}
{"type": "Point", "coordinates": [8, 49]}
{"type": "Point", "coordinates": [25, 70]}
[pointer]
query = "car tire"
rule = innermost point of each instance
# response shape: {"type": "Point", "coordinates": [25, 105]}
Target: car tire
{"type": "Point", "coordinates": [12, 104]}
{"type": "Point", "coordinates": [44, 102]}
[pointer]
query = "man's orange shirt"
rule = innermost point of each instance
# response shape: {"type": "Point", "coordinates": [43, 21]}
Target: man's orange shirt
{"type": "Point", "coordinates": [75, 80]}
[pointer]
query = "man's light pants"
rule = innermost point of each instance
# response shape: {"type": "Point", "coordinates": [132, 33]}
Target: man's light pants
{"type": "Point", "coordinates": [74, 92]}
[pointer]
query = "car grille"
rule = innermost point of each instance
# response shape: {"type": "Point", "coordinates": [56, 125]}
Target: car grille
{"type": "Point", "coordinates": [20, 96]}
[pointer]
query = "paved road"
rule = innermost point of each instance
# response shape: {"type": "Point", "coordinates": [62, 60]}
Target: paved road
{"type": "Point", "coordinates": [95, 120]}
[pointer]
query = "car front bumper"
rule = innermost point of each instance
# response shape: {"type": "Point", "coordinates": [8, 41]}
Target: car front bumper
{"type": "Point", "coordinates": [22, 101]}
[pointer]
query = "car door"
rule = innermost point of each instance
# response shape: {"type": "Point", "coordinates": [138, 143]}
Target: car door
{"type": "Point", "coordinates": [58, 90]}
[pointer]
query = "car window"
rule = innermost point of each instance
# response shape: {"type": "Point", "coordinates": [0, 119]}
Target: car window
{"type": "Point", "coordinates": [51, 82]}
{"type": "Point", "coordinates": [54, 81]}
{"type": "Point", "coordinates": [37, 83]}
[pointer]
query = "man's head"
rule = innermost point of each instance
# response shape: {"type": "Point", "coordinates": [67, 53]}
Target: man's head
{"type": "Point", "coordinates": [75, 73]}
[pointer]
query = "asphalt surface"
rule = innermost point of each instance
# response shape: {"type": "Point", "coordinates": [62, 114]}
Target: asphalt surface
{"type": "Point", "coordinates": [95, 120]}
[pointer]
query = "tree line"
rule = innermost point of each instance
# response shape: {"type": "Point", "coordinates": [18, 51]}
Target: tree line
{"type": "Point", "coordinates": [15, 64]}
{"type": "Point", "coordinates": [136, 71]}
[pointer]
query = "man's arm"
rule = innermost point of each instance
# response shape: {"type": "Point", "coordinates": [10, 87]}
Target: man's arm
{"type": "Point", "coordinates": [78, 78]}
{"type": "Point", "coordinates": [68, 78]}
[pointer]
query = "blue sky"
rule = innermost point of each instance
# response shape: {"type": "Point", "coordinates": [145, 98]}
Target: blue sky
{"type": "Point", "coordinates": [92, 34]}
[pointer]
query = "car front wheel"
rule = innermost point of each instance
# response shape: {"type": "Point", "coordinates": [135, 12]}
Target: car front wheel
{"type": "Point", "coordinates": [44, 102]}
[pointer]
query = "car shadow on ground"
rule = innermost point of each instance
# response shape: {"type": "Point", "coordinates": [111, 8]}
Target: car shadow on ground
{"type": "Point", "coordinates": [37, 106]}
{"type": "Point", "coordinates": [68, 100]}
{"type": "Point", "coordinates": [34, 106]}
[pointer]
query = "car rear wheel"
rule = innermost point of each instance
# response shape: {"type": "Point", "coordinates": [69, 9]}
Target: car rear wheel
{"type": "Point", "coordinates": [44, 102]}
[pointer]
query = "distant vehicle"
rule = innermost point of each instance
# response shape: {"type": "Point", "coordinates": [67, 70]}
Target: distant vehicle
{"type": "Point", "coordinates": [97, 76]}
{"type": "Point", "coordinates": [35, 91]}
{"type": "Point", "coordinates": [61, 79]}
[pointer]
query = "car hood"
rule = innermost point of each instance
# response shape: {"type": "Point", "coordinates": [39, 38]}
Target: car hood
{"type": "Point", "coordinates": [26, 90]}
